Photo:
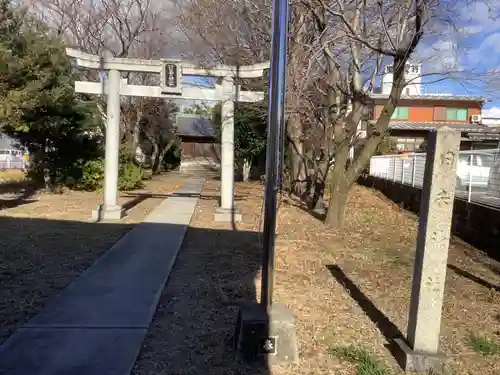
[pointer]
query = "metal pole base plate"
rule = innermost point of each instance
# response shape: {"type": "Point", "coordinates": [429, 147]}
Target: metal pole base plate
{"type": "Point", "coordinates": [266, 335]}
{"type": "Point", "coordinates": [108, 213]}
{"type": "Point", "coordinates": [228, 215]}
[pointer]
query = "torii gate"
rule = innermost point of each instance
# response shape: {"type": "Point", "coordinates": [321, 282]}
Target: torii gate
{"type": "Point", "coordinates": [171, 72]}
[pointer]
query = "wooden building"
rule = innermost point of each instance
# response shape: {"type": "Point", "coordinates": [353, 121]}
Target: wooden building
{"type": "Point", "coordinates": [200, 147]}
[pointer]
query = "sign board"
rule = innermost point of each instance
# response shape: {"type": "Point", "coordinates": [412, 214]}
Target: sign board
{"type": "Point", "coordinates": [267, 345]}
{"type": "Point", "coordinates": [170, 77]}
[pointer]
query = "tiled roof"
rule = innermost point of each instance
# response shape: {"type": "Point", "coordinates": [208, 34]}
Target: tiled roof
{"type": "Point", "coordinates": [195, 125]}
{"type": "Point", "coordinates": [468, 98]}
{"type": "Point", "coordinates": [475, 128]}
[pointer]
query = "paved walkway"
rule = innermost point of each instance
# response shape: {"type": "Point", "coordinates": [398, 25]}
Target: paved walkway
{"type": "Point", "coordinates": [97, 325]}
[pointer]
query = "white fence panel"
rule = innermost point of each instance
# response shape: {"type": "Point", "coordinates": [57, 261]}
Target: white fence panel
{"type": "Point", "coordinates": [478, 173]}
{"type": "Point", "coordinates": [398, 170]}
{"type": "Point", "coordinates": [408, 170]}
{"type": "Point", "coordinates": [419, 170]}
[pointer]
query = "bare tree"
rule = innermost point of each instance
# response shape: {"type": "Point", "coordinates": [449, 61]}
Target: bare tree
{"type": "Point", "coordinates": [97, 25]}
{"type": "Point", "coordinates": [352, 39]}
{"type": "Point", "coordinates": [158, 128]}
{"type": "Point", "coordinates": [126, 28]}
{"type": "Point", "coordinates": [234, 32]}
{"type": "Point", "coordinates": [337, 51]}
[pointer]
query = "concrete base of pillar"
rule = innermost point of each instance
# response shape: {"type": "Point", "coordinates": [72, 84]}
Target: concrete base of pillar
{"type": "Point", "coordinates": [226, 215]}
{"type": "Point", "coordinates": [266, 335]}
{"type": "Point", "coordinates": [417, 362]}
{"type": "Point", "coordinates": [108, 213]}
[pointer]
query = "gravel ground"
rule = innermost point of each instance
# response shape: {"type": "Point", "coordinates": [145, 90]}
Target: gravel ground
{"type": "Point", "coordinates": [48, 241]}
{"type": "Point", "coordinates": [346, 287]}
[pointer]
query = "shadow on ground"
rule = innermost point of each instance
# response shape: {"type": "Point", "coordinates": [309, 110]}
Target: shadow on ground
{"type": "Point", "coordinates": [19, 192]}
{"type": "Point", "coordinates": [195, 322]}
{"type": "Point", "coordinates": [39, 258]}
{"type": "Point", "coordinates": [304, 205]}
{"type": "Point", "coordinates": [193, 328]}
{"type": "Point", "coordinates": [478, 280]}
{"type": "Point", "coordinates": [388, 329]}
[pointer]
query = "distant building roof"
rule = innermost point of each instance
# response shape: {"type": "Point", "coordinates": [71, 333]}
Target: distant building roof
{"type": "Point", "coordinates": [7, 143]}
{"type": "Point", "coordinates": [468, 98]}
{"type": "Point", "coordinates": [195, 125]}
{"type": "Point", "coordinates": [463, 127]}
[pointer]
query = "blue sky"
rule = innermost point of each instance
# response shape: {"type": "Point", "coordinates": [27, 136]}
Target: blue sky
{"type": "Point", "coordinates": [470, 48]}
{"type": "Point", "coordinates": [198, 81]}
{"type": "Point", "coordinates": [471, 52]}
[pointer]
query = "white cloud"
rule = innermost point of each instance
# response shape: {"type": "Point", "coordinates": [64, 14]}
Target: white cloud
{"type": "Point", "coordinates": [479, 17]}
{"type": "Point", "coordinates": [490, 44]}
{"type": "Point", "coordinates": [484, 56]}
{"type": "Point", "coordinates": [494, 115]}
{"type": "Point", "coordinates": [438, 55]}
{"type": "Point", "coordinates": [492, 112]}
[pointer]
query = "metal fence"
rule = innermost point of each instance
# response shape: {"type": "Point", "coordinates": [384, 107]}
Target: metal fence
{"type": "Point", "coordinates": [478, 173]}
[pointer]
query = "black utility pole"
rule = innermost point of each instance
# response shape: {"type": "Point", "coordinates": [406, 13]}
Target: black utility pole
{"type": "Point", "coordinates": [275, 140]}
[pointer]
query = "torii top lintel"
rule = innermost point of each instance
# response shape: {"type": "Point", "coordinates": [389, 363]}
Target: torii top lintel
{"type": "Point", "coordinates": [86, 60]}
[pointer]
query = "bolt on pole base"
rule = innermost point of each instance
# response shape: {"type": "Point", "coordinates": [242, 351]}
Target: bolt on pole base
{"type": "Point", "coordinates": [266, 335]}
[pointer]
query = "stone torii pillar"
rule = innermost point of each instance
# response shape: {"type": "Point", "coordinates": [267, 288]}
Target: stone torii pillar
{"type": "Point", "coordinates": [171, 73]}
{"type": "Point", "coordinates": [227, 209]}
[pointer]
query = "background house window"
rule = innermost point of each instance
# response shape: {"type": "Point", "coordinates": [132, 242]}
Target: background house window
{"type": "Point", "coordinates": [456, 114]}
{"type": "Point", "coordinates": [400, 113]}
{"type": "Point", "coordinates": [409, 144]}
{"type": "Point", "coordinates": [378, 111]}
{"type": "Point", "coordinates": [439, 113]}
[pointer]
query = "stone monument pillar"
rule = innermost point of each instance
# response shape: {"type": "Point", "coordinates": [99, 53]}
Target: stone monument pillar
{"type": "Point", "coordinates": [420, 352]}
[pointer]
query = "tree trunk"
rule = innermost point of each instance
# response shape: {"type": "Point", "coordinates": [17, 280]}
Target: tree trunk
{"type": "Point", "coordinates": [339, 188]}
{"type": "Point", "coordinates": [157, 168]}
{"type": "Point", "coordinates": [154, 157]}
{"type": "Point", "coordinates": [247, 165]}
{"type": "Point", "coordinates": [299, 183]}
{"type": "Point", "coordinates": [317, 201]}
{"type": "Point", "coordinates": [101, 107]}
{"type": "Point", "coordinates": [134, 137]}
{"type": "Point", "coordinates": [47, 180]}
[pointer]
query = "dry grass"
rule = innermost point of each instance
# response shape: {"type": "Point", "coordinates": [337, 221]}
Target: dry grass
{"type": "Point", "coordinates": [48, 240]}
{"type": "Point", "coordinates": [11, 175]}
{"type": "Point", "coordinates": [349, 287]}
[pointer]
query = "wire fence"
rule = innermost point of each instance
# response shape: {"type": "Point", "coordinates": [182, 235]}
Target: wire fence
{"type": "Point", "coordinates": [478, 173]}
